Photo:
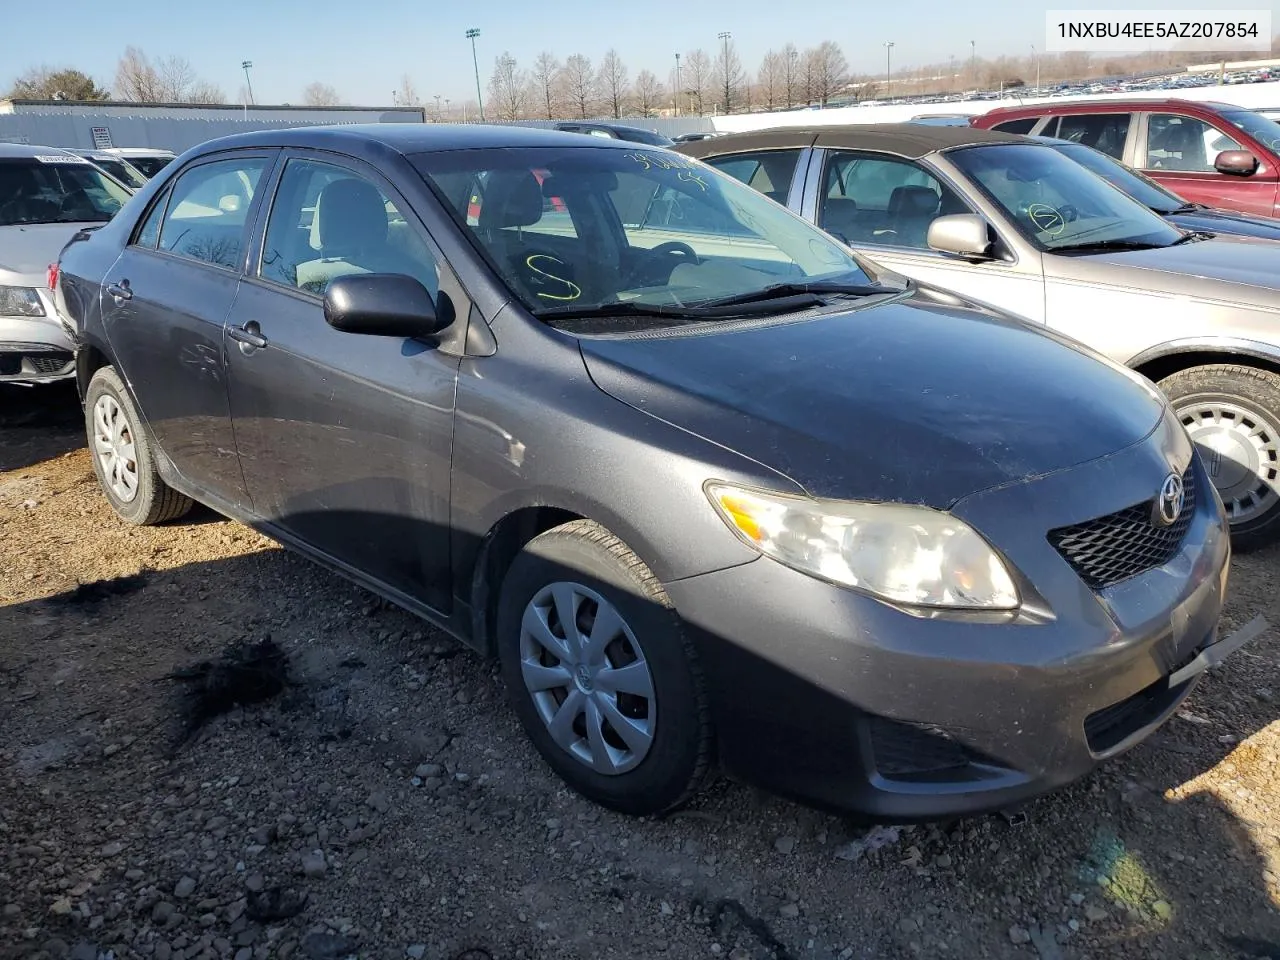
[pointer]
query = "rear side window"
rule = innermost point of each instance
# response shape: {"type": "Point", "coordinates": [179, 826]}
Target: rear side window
{"type": "Point", "coordinates": [1105, 132]}
{"type": "Point", "coordinates": [208, 210]}
{"type": "Point", "coordinates": [769, 172]}
{"type": "Point", "coordinates": [1021, 126]}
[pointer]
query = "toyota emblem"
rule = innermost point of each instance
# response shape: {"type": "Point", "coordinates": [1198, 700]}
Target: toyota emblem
{"type": "Point", "coordinates": [1169, 504]}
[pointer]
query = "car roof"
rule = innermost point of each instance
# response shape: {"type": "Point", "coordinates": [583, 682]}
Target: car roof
{"type": "Point", "coordinates": [1113, 103]}
{"type": "Point", "coordinates": [26, 150]}
{"type": "Point", "coordinates": [409, 138]}
{"type": "Point", "coordinates": [913, 140]}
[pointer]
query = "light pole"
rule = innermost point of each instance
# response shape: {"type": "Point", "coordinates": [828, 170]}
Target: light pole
{"type": "Point", "coordinates": [245, 65]}
{"type": "Point", "coordinates": [724, 36]}
{"type": "Point", "coordinates": [446, 108]}
{"type": "Point", "coordinates": [888, 74]}
{"type": "Point", "coordinates": [951, 73]}
{"type": "Point", "coordinates": [677, 96]}
{"type": "Point", "coordinates": [472, 33]}
{"type": "Point", "coordinates": [1037, 56]}
{"type": "Point", "coordinates": [437, 108]}
{"type": "Point", "coordinates": [973, 62]}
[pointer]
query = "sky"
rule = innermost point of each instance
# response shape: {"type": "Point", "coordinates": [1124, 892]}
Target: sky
{"type": "Point", "coordinates": [363, 48]}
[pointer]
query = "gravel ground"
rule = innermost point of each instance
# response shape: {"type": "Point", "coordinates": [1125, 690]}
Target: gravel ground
{"type": "Point", "coordinates": [387, 805]}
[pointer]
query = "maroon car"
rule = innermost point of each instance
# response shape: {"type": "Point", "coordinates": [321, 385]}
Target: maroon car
{"type": "Point", "coordinates": [1211, 153]}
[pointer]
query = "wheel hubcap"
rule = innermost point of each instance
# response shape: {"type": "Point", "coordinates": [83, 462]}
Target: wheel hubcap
{"type": "Point", "coordinates": [113, 446]}
{"type": "Point", "coordinates": [588, 678]}
{"type": "Point", "coordinates": [1241, 454]}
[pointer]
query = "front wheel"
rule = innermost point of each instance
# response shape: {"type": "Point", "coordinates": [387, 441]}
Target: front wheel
{"type": "Point", "coordinates": [600, 672]}
{"type": "Point", "coordinates": [1232, 414]}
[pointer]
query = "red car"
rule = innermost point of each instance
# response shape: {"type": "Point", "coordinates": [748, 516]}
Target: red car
{"type": "Point", "coordinates": [1211, 153]}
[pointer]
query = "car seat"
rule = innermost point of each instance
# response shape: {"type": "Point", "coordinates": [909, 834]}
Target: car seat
{"type": "Point", "coordinates": [349, 228]}
{"type": "Point", "coordinates": [911, 210]}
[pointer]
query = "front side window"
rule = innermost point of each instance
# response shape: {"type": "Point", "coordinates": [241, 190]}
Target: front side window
{"type": "Point", "coordinates": [327, 221]}
{"type": "Point", "coordinates": [652, 231]}
{"type": "Point", "coordinates": [208, 210]}
{"type": "Point", "coordinates": [1144, 190]}
{"type": "Point", "coordinates": [1057, 203]}
{"type": "Point", "coordinates": [1102, 131]}
{"type": "Point", "coordinates": [1184, 144]}
{"type": "Point", "coordinates": [122, 171]}
{"type": "Point", "coordinates": [57, 188]}
{"type": "Point", "coordinates": [876, 200]}
{"type": "Point", "coordinates": [769, 172]}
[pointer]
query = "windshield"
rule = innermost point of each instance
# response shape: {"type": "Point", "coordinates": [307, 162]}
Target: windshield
{"type": "Point", "coordinates": [150, 166]}
{"type": "Point", "coordinates": [122, 171]}
{"type": "Point", "coordinates": [56, 189]}
{"type": "Point", "coordinates": [645, 136]}
{"type": "Point", "coordinates": [1147, 192]}
{"type": "Point", "coordinates": [1257, 126]}
{"type": "Point", "coordinates": [1057, 203]}
{"type": "Point", "coordinates": [579, 229]}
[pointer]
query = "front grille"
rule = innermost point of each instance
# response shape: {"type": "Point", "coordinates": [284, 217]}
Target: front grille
{"type": "Point", "coordinates": [1107, 550]}
{"type": "Point", "coordinates": [1109, 727]}
{"type": "Point", "coordinates": [50, 363]}
{"type": "Point", "coordinates": [905, 751]}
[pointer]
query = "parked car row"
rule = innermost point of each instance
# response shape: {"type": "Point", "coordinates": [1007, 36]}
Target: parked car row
{"type": "Point", "coordinates": [714, 487]}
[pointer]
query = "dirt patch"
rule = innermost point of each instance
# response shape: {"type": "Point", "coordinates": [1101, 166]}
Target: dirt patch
{"type": "Point", "coordinates": [385, 804]}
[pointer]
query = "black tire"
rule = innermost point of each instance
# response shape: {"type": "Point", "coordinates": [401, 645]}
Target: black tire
{"type": "Point", "coordinates": [155, 501]}
{"type": "Point", "coordinates": [679, 758]}
{"type": "Point", "coordinates": [1255, 391]}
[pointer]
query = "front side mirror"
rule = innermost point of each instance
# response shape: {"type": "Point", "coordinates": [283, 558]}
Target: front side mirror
{"type": "Point", "coordinates": [962, 234]}
{"type": "Point", "coordinates": [1236, 163]}
{"type": "Point", "coordinates": [382, 305]}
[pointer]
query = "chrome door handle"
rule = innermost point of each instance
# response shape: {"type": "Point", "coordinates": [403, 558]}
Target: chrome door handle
{"type": "Point", "coordinates": [248, 335]}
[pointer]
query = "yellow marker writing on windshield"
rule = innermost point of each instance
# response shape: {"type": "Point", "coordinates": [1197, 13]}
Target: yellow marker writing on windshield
{"type": "Point", "coordinates": [574, 291]}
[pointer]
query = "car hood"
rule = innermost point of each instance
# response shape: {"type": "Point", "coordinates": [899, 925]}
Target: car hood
{"type": "Point", "coordinates": [1244, 271]}
{"type": "Point", "coordinates": [1228, 222]}
{"type": "Point", "coordinates": [26, 250]}
{"type": "Point", "coordinates": [907, 400]}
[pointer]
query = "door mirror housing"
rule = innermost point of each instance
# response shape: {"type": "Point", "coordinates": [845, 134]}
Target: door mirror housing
{"type": "Point", "coordinates": [962, 234]}
{"type": "Point", "coordinates": [382, 305]}
{"type": "Point", "coordinates": [1236, 163]}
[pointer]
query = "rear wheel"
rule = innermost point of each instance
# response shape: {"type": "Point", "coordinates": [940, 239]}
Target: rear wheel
{"type": "Point", "coordinates": [1232, 414]}
{"type": "Point", "coordinates": [600, 673]}
{"type": "Point", "coordinates": [122, 456]}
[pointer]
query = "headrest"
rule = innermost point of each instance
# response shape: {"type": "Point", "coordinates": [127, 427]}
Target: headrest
{"type": "Point", "coordinates": [512, 198]}
{"type": "Point", "coordinates": [349, 213]}
{"type": "Point", "coordinates": [913, 200]}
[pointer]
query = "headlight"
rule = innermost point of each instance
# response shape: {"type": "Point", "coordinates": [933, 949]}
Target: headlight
{"type": "Point", "coordinates": [20, 302]}
{"type": "Point", "coordinates": [907, 554]}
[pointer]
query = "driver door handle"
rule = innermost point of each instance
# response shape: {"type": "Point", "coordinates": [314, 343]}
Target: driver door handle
{"type": "Point", "coordinates": [249, 335]}
{"type": "Point", "coordinates": [120, 290]}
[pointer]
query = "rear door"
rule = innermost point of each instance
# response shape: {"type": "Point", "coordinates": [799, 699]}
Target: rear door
{"type": "Point", "coordinates": [345, 439]}
{"type": "Point", "coordinates": [164, 305]}
{"type": "Point", "coordinates": [883, 205]}
{"type": "Point", "coordinates": [1179, 151]}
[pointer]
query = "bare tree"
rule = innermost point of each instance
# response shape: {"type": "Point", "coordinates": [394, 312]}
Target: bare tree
{"type": "Point", "coordinates": [769, 80]}
{"type": "Point", "coordinates": [545, 90]}
{"type": "Point", "coordinates": [64, 83]}
{"type": "Point", "coordinates": [508, 88]}
{"type": "Point", "coordinates": [728, 74]}
{"type": "Point", "coordinates": [696, 77]}
{"type": "Point", "coordinates": [171, 80]}
{"type": "Point", "coordinates": [203, 91]}
{"type": "Point", "coordinates": [611, 81]}
{"type": "Point", "coordinates": [177, 77]}
{"type": "Point", "coordinates": [407, 94]}
{"type": "Point", "coordinates": [791, 79]}
{"type": "Point", "coordinates": [830, 71]}
{"type": "Point", "coordinates": [579, 85]}
{"type": "Point", "coordinates": [320, 95]}
{"type": "Point", "coordinates": [809, 76]}
{"type": "Point", "coordinates": [649, 93]}
{"type": "Point", "coordinates": [136, 79]}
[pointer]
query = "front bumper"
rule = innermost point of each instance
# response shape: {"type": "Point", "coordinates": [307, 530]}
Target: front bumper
{"type": "Point", "coordinates": [844, 702]}
{"type": "Point", "coordinates": [35, 350]}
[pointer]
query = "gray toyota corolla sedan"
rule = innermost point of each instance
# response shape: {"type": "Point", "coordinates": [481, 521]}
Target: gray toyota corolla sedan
{"type": "Point", "coordinates": [1015, 224]}
{"type": "Point", "coordinates": [716, 492]}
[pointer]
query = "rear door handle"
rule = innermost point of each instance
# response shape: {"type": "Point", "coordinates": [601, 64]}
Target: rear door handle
{"type": "Point", "coordinates": [120, 291]}
{"type": "Point", "coordinates": [249, 335]}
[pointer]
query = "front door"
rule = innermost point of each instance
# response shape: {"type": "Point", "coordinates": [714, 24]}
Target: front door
{"type": "Point", "coordinates": [168, 296]}
{"type": "Point", "coordinates": [1179, 151]}
{"type": "Point", "coordinates": [345, 439]}
{"type": "Point", "coordinates": [882, 206]}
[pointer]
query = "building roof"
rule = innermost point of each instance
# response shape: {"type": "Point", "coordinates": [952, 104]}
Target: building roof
{"type": "Point", "coordinates": [911, 140]}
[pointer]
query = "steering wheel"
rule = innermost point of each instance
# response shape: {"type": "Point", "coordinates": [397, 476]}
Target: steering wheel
{"type": "Point", "coordinates": [656, 264]}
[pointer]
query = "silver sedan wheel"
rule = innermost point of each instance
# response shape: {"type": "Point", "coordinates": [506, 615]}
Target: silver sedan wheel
{"type": "Point", "coordinates": [113, 446]}
{"type": "Point", "coordinates": [1241, 453]}
{"type": "Point", "coordinates": [588, 678]}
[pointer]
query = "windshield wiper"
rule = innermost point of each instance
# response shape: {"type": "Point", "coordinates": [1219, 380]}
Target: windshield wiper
{"type": "Point", "coordinates": [1189, 207]}
{"type": "Point", "coordinates": [1193, 236]}
{"type": "Point", "coordinates": [779, 291]}
{"type": "Point", "coordinates": [1093, 245]}
{"type": "Point", "coordinates": [702, 311]}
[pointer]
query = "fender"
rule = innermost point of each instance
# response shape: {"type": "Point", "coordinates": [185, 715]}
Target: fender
{"type": "Point", "coordinates": [1231, 346]}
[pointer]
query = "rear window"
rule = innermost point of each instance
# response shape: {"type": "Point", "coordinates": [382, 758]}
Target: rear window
{"type": "Point", "coordinates": [1020, 126]}
{"type": "Point", "coordinates": [56, 189]}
